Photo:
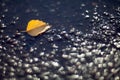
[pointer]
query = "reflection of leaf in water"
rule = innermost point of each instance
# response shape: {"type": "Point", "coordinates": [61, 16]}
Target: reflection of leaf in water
{"type": "Point", "coordinates": [36, 27]}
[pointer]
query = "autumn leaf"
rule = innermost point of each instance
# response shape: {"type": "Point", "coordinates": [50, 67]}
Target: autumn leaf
{"type": "Point", "coordinates": [36, 27]}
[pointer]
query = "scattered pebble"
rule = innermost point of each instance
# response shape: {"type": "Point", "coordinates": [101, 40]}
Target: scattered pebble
{"type": "Point", "coordinates": [55, 64]}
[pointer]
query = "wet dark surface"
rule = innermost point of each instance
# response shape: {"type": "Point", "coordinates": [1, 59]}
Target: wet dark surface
{"type": "Point", "coordinates": [82, 44]}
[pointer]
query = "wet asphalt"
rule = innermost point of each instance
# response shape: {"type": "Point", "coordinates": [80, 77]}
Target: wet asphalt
{"type": "Point", "coordinates": [82, 44]}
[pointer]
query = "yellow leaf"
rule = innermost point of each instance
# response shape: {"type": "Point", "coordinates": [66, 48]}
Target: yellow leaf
{"type": "Point", "coordinates": [36, 27]}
